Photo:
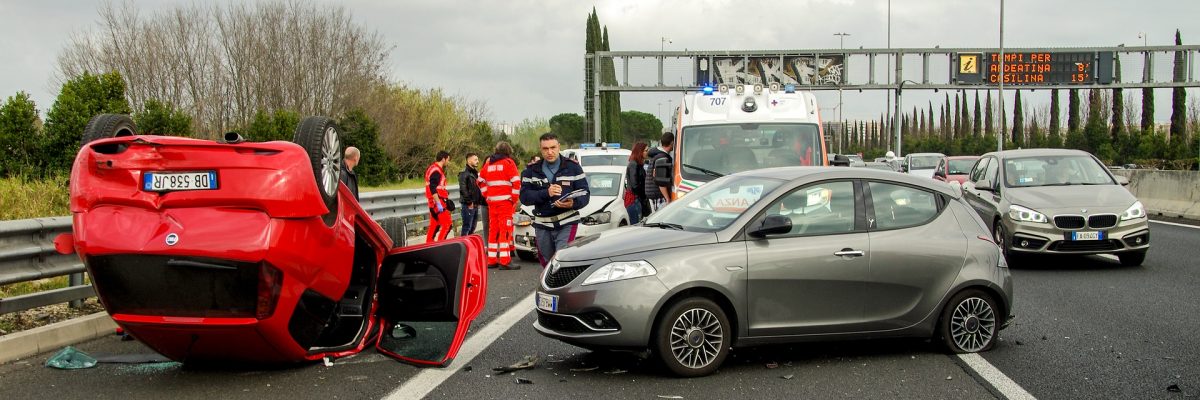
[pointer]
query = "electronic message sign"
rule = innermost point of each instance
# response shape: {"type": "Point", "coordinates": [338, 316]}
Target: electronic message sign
{"type": "Point", "coordinates": [1035, 68]}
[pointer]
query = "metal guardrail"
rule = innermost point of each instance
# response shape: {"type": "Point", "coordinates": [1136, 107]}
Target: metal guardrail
{"type": "Point", "coordinates": [27, 247]}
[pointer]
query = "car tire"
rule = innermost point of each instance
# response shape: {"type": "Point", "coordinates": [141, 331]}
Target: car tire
{"type": "Point", "coordinates": [1132, 258]}
{"type": "Point", "coordinates": [1002, 239]}
{"type": "Point", "coordinates": [970, 322]}
{"type": "Point", "coordinates": [692, 338]}
{"type": "Point", "coordinates": [320, 138]}
{"type": "Point", "coordinates": [104, 126]}
{"type": "Point", "coordinates": [396, 230]}
{"type": "Point", "coordinates": [530, 256]}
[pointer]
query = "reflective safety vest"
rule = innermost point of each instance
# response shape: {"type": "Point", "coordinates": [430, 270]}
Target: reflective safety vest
{"type": "Point", "coordinates": [435, 198]}
{"type": "Point", "coordinates": [500, 180]}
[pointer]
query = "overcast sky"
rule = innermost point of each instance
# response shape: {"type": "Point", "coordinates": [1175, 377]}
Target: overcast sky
{"type": "Point", "coordinates": [524, 58]}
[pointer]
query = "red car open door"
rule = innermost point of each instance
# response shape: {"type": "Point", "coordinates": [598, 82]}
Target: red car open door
{"type": "Point", "coordinates": [428, 296]}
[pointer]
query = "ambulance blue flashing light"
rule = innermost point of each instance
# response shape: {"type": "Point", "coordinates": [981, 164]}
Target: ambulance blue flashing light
{"type": "Point", "coordinates": [789, 88]}
{"type": "Point", "coordinates": [708, 90]}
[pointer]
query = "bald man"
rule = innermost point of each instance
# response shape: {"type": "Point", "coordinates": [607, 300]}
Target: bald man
{"type": "Point", "coordinates": [349, 161]}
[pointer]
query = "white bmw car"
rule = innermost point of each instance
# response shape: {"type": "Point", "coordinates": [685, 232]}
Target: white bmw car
{"type": "Point", "coordinates": [605, 209]}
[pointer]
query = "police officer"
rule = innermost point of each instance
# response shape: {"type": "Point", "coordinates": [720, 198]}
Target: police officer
{"type": "Point", "coordinates": [440, 205]}
{"type": "Point", "coordinates": [557, 189]}
{"type": "Point", "coordinates": [500, 181]}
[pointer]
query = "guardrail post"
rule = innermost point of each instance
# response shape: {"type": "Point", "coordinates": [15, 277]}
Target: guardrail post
{"type": "Point", "coordinates": [73, 281]}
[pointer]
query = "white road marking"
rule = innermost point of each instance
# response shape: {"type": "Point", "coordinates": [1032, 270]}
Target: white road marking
{"type": "Point", "coordinates": [429, 379]}
{"type": "Point", "coordinates": [1003, 384]}
{"type": "Point", "coordinates": [1175, 224]}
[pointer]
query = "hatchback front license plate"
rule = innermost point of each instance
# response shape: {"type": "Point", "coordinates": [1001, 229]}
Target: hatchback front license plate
{"type": "Point", "coordinates": [175, 181]}
{"type": "Point", "coordinates": [547, 302]}
{"type": "Point", "coordinates": [1087, 236]}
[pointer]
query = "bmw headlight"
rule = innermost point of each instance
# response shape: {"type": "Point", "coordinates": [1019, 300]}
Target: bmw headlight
{"type": "Point", "coordinates": [616, 271]}
{"type": "Point", "coordinates": [599, 218]}
{"type": "Point", "coordinates": [1018, 213]}
{"type": "Point", "coordinates": [1134, 212]}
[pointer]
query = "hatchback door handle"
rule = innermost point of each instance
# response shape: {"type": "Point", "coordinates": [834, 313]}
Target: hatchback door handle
{"type": "Point", "coordinates": [850, 253]}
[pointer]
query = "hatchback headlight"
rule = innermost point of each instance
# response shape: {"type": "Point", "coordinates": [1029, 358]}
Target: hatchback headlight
{"type": "Point", "coordinates": [599, 218]}
{"type": "Point", "coordinates": [1134, 212]}
{"type": "Point", "coordinates": [1018, 213]}
{"type": "Point", "coordinates": [616, 271]}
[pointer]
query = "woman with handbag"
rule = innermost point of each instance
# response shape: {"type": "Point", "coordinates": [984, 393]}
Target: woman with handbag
{"type": "Point", "coordinates": [635, 177]}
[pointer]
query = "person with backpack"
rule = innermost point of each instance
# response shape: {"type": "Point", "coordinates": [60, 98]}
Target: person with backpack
{"type": "Point", "coordinates": [659, 195]}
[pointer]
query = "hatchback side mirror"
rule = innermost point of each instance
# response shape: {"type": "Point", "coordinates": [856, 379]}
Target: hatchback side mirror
{"type": "Point", "coordinates": [1121, 180]}
{"type": "Point", "coordinates": [985, 184]}
{"type": "Point", "coordinates": [772, 225]}
{"type": "Point", "coordinates": [940, 173]}
{"type": "Point", "coordinates": [841, 161]}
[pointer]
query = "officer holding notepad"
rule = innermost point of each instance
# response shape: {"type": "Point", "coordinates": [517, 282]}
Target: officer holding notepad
{"type": "Point", "coordinates": [556, 188]}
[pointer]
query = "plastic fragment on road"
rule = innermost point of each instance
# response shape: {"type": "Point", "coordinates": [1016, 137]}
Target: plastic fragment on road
{"type": "Point", "coordinates": [1174, 389]}
{"type": "Point", "coordinates": [788, 376]}
{"type": "Point", "coordinates": [772, 365]}
{"type": "Point", "coordinates": [527, 363]}
{"type": "Point", "coordinates": [664, 396]}
{"type": "Point", "coordinates": [70, 358]}
{"type": "Point", "coordinates": [328, 362]}
{"type": "Point", "coordinates": [584, 369]}
{"type": "Point", "coordinates": [523, 381]}
{"type": "Point", "coordinates": [616, 371]}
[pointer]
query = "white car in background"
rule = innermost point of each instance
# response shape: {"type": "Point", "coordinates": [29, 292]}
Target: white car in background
{"type": "Point", "coordinates": [922, 164]}
{"type": "Point", "coordinates": [605, 209]}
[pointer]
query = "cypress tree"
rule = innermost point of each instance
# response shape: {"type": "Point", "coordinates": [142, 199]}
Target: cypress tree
{"type": "Point", "coordinates": [1018, 125]}
{"type": "Point", "coordinates": [977, 126]}
{"type": "Point", "coordinates": [1055, 123]}
{"type": "Point", "coordinates": [1179, 148]}
{"type": "Point", "coordinates": [1118, 108]}
{"type": "Point", "coordinates": [948, 130]}
{"type": "Point", "coordinates": [990, 122]}
{"type": "Point", "coordinates": [1072, 111]}
{"type": "Point", "coordinates": [957, 132]}
{"type": "Point", "coordinates": [1147, 111]}
{"type": "Point", "coordinates": [965, 116]}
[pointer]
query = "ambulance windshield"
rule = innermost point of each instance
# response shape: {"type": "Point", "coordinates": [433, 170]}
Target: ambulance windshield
{"type": "Point", "coordinates": [731, 148]}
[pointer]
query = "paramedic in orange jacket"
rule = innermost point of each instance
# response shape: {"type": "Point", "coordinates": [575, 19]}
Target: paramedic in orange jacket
{"type": "Point", "coordinates": [440, 205]}
{"type": "Point", "coordinates": [500, 182]}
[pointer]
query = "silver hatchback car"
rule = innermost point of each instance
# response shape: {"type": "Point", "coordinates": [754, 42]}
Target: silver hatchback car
{"type": "Point", "coordinates": [1057, 201]}
{"type": "Point", "coordinates": [783, 255]}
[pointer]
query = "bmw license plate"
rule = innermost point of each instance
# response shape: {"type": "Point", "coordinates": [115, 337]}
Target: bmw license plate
{"type": "Point", "coordinates": [547, 302]}
{"type": "Point", "coordinates": [176, 181]}
{"type": "Point", "coordinates": [1087, 235]}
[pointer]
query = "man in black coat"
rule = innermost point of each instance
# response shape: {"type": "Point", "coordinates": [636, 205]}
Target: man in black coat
{"type": "Point", "coordinates": [349, 161]}
{"type": "Point", "coordinates": [468, 191]}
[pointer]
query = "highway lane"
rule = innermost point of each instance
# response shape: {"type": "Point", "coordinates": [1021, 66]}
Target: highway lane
{"type": "Point", "coordinates": [368, 375]}
{"type": "Point", "coordinates": [1110, 332]}
{"type": "Point", "coordinates": [1089, 328]}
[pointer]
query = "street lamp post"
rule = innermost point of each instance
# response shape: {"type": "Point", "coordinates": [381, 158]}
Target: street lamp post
{"type": "Point", "coordinates": [841, 126]}
{"type": "Point", "coordinates": [662, 41]}
{"type": "Point", "coordinates": [1003, 122]}
{"type": "Point", "coordinates": [896, 121]}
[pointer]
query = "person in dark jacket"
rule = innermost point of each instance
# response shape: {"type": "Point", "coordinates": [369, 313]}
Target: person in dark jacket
{"type": "Point", "coordinates": [659, 195]}
{"type": "Point", "coordinates": [349, 161]}
{"type": "Point", "coordinates": [557, 189]}
{"type": "Point", "coordinates": [470, 194]}
{"type": "Point", "coordinates": [635, 179]}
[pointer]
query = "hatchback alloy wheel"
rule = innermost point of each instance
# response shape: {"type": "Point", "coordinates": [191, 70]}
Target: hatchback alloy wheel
{"type": "Point", "coordinates": [969, 323]}
{"type": "Point", "coordinates": [693, 337]}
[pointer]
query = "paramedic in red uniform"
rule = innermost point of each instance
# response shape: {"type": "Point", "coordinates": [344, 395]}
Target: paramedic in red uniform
{"type": "Point", "coordinates": [500, 181]}
{"type": "Point", "coordinates": [440, 205]}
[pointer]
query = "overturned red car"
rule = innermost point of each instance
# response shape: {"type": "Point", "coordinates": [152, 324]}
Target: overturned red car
{"type": "Point", "coordinates": [231, 250]}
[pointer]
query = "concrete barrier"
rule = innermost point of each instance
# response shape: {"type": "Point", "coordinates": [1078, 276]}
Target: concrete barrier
{"type": "Point", "coordinates": [1166, 193]}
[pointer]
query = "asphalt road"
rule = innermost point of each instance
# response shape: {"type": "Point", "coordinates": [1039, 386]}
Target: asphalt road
{"type": "Point", "coordinates": [1086, 328]}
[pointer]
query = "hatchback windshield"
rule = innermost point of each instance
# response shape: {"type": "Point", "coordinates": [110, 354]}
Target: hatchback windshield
{"type": "Point", "coordinates": [710, 151]}
{"type": "Point", "coordinates": [604, 184]}
{"type": "Point", "coordinates": [715, 205]}
{"type": "Point", "coordinates": [1055, 171]}
{"type": "Point", "coordinates": [961, 167]}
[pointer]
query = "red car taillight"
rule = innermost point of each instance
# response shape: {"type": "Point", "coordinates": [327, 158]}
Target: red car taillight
{"type": "Point", "coordinates": [269, 282]}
